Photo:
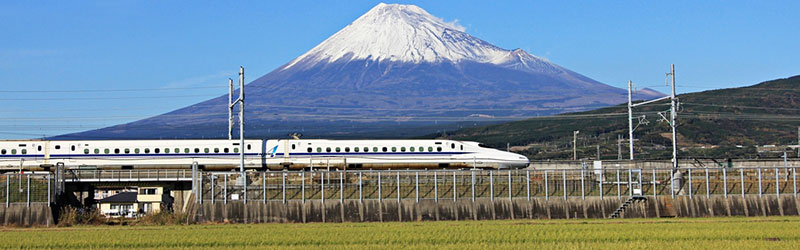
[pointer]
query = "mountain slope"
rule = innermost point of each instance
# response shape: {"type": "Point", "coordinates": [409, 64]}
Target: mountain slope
{"type": "Point", "coordinates": [396, 66]}
{"type": "Point", "coordinates": [717, 123]}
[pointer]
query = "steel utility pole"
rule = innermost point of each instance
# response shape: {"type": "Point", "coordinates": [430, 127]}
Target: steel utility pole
{"type": "Point", "coordinates": [673, 116]}
{"type": "Point", "coordinates": [574, 144]}
{"type": "Point", "coordinates": [630, 116]}
{"type": "Point", "coordinates": [231, 104]}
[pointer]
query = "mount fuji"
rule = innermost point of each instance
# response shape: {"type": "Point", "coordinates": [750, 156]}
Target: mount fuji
{"type": "Point", "coordinates": [396, 71]}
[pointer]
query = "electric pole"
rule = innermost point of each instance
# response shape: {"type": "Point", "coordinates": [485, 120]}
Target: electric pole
{"type": "Point", "coordinates": [673, 116]}
{"type": "Point", "coordinates": [619, 147]}
{"type": "Point", "coordinates": [230, 109]}
{"type": "Point", "coordinates": [798, 141]}
{"type": "Point", "coordinates": [598, 152]}
{"type": "Point", "coordinates": [231, 104]}
{"type": "Point", "coordinates": [575, 144]}
{"type": "Point", "coordinates": [630, 117]}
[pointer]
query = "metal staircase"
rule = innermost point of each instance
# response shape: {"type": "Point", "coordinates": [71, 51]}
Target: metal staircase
{"type": "Point", "coordinates": [626, 204]}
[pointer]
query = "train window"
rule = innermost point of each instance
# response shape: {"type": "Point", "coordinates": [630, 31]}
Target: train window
{"type": "Point", "coordinates": [402, 149]}
{"type": "Point", "coordinates": [366, 149]}
{"type": "Point", "coordinates": [438, 143]}
{"type": "Point", "coordinates": [24, 151]}
{"type": "Point", "coordinates": [347, 149]}
{"type": "Point", "coordinates": [71, 148]}
{"type": "Point", "coordinates": [216, 150]}
{"type": "Point", "coordinates": [248, 146]}
{"type": "Point", "coordinates": [13, 151]}
{"type": "Point", "coordinates": [166, 150]}
{"type": "Point", "coordinates": [355, 149]}
{"type": "Point", "coordinates": [338, 149]}
{"type": "Point", "coordinates": [374, 149]}
{"type": "Point", "coordinates": [309, 149]}
{"type": "Point", "coordinates": [319, 150]}
{"type": "Point", "coordinates": [146, 150]}
{"type": "Point", "coordinates": [3, 151]}
{"type": "Point", "coordinates": [196, 150]}
{"type": "Point", "coordinates": [439, 149]}
{"type": "Point", "coordinates": [236, 150]}
{"type": "Point", "coordinates": [127, 150]}
{"type": "Point", "coordinates": [58, 146]}
{"type": "Point", "coordinates": [185, 150]}
{"type": "Point", "coordinates": [86, 151]}
{"type": "Point", "coordinates": [157, 150]}
{"type": "Point", "coordinates": [106, 151]}
{"type": "Point", "coordinates": [136, 150]}
{"type": "Point", "coordinates": [116, 151]}
{"type": "Point", "coordinates": [421, 149]}
{"type": "Point", "coordinates": [226, 150]}
{"type": "Point", "coordinates": [40, 148]}
{"type": "Point", "coordinates": [411, 149]}
{"type": "Point", "coordinates": [96, 151]}
{"type": "Point", "coordinates": [462, 147]}
{"type": "Point", "coordinates": [430, 149]}
{"type": "Point", "coordinates": [293, 146]}
{"type": "Point", "coordinates": [328, 149]}
{"type": "Point", "coordinates": [394, 149]}
{"type": "Point", "coordinates": [452, 145]}
{"type": "Point", "coordinates": [205, 150]}
{"type": "Point", "coordinates": [177, 150]}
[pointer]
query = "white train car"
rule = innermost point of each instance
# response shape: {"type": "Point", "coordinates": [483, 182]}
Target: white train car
{"type": "Point", "coordinates": [259, 154]}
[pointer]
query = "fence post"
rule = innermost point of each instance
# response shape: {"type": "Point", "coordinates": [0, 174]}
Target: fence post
{"type": "Point", "coordinates": [28, 196]}
{"type": "Point", "coordinates": [8, 187]}
{"type": "Point", "coordinates": [491, 185]}
{"type": "Point", "coordinates": [380, 195]}
{"type": "Point", "coordinates": [601, 183]}
{"type": "Point", "coordinates": [455, 195]}
{"type": "Point", "coordinates": [794, 179]}
{"type": "Point", "coordinates": [708, 192]}
{"type": "Point", "coordinates": [760, 193]}
{"type": "Point", "coordinates": [244, 183]}
{"type": "Point", "coordinates": [302, 187]}
{"type": "Point", "coordinates": [528, 184]}
{"type": "Point", "coordinates": [741, 177]}
{"type": "Point", "coordinates": [564, 183]}
{"type": "Point", "coordinates": [473, 185]}
{"type": "Point", "coordinates": [360, 194]}
{"type": "Point", "coordinates": [225, 189]}
{"type": "Point", "coordinates": [398, 187]}
{"type": "Point", "coordinates": [264, 187]}
{"type": "Point", "coordinates": [655, 185]}
{"type": "Point", "coordinates": [48, 190]}
{"type": "Point", "coordinates": [546, 187]}
{"type": "Point", "coordinates": [691, 192]}
{"type": "Point", "coordinates": [619, 189]}
{"type": "Point", "coordinates": [212, 188]}
{"type": "Point", "coordinates": [509, 186]}
{"type": "Point", "coordinates": [630, 180]}
{"type": "Point", "coordinates": [322, 186]}
{"type": "Point", "coordinates": [583, 187]}
{"type": "Point", "coordinates": [777, 183]}
{"type": "Point", "coordinates": [725, 183]}
{"type": "Point", "coordinates": [341, 186]}
{"type": "Point", "coordinates": [416, 186]}
{"type": "Point", "coordinates": [435, 188]}
{"type": "Point", "coordinates": [283, 185]}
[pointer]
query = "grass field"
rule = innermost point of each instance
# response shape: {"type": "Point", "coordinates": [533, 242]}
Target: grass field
{"type": "Point", "coordinates": [720, 233]}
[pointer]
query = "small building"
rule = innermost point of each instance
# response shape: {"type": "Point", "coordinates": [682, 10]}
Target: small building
{"type": "Point", "coordinates": [123, 204]}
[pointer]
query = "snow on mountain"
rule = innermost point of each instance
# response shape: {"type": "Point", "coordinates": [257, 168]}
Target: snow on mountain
{"type": "Point", "coordinates": [404, 33]}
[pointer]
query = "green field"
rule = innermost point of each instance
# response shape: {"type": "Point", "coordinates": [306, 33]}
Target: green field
{"type": "Point", "coordinates": [728, 233]}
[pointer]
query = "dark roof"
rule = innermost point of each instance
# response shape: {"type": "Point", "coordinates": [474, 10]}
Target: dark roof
{"type": "Point", "coordinates": [124, 197]}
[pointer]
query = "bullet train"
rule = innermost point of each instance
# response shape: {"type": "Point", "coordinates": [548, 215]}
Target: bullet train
{"type": "Point", "coordinates": [292, 154]}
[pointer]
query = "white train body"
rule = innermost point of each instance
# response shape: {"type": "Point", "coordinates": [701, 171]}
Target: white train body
{"type": "Point", "coordinates": [260, 154]}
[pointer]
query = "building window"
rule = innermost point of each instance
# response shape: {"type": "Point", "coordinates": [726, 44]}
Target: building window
{"type": "Point", "coordinates": [148, 191]}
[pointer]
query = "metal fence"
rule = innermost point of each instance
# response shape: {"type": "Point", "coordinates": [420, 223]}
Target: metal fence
{"type": "Point", "coordinates": [26, 189]}
{"type": "Point", "coordinates": [494, 184]}
{"type": "Point", "coordinates": [96, 175]}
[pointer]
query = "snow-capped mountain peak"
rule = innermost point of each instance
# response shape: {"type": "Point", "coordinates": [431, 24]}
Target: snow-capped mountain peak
{"type": "Point", "coordinates": [405, 33]}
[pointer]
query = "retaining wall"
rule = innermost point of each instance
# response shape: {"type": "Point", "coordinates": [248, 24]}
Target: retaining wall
{"type": "Point", "coordinates": [486, 209]}
{"type": "Point", "coordinates": [36, 214]}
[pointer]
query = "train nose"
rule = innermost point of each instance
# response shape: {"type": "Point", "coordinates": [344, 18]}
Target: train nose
{"type": "Point", "coordinates": [515, 161]}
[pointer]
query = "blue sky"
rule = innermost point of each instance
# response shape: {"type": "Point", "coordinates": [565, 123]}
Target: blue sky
{"type": "Point", "coordinates": [70, 66]}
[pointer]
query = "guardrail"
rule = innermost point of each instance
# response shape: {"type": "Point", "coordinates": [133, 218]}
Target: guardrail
{"type": "Point", "coordinates": [492, 184]}
{"type": "Point", "coordinates": [26, 189]}
{"type": "Point", "coordinates": [127, 175]}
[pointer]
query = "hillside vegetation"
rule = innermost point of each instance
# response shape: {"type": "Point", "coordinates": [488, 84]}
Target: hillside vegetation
{"type": "Point", "coordinates": [724, 123]}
